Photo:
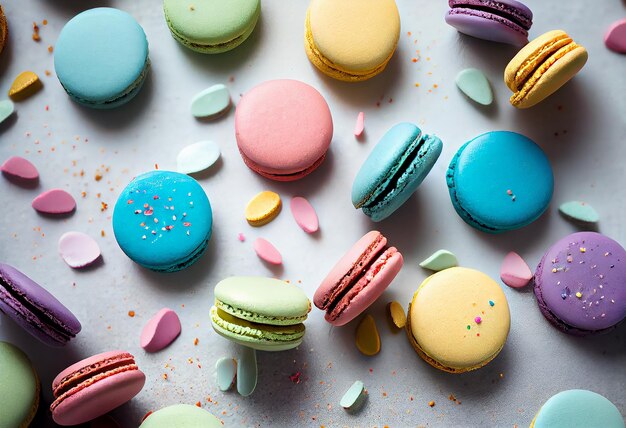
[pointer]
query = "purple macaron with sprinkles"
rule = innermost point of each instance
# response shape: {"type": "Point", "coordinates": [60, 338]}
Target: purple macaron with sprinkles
{"type": "Point", "coordinates": [580, 284]}
{"type": "Point", "coordinates": [34, 309]}
{"type": "Point", "coordinates": [504, 21]}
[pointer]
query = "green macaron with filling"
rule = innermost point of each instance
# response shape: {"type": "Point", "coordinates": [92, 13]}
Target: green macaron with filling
{"type": "Point", "coordinates": [211, 26]}
{"type": "Point", "coordinates": [19, 387]}
{"type": "Point", "coordinates": [261, 313]}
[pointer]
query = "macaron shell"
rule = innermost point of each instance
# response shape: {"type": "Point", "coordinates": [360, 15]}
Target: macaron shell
{"type": "Point", "coordinates": [163, 220]}
{"type": "Point", "coordinates": [355, 35]}
{"type": "Point", "coordinates": [443, 308]}
{"type": "Point", "coordinates": [500, 181]}
{"type": "Point", "coordinates": [590, 264]}
{"type": "Point", "coordinates": [212, 26]}
{"type": "Point", "coordinates": [487, 26]}
{"type": "Point", "coordinates": [99, 398]}
{"type": "Point", "coordinates": [100, 56]}
{"type": "Point", "coordinates": [577, 408]}
{"type": "Point", "coordinates": [283, 128]}
{"type": "Point", "coordinates": [374, 282]}
{"type": "Point", "coordinates": [19, 387]}
{"type": "Point", "coordinates": [181, 416]}
{"type": "Point", "coordinates": [263, 300]}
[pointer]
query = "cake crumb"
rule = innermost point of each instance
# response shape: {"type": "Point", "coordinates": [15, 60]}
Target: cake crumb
{"type": "Point", "coordinates": [431, 403]}
{"type": "Point", "coordinates": [131, 313]}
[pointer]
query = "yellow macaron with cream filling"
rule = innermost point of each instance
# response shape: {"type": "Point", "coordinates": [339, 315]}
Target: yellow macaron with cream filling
{"type": "Point", "coordinates": [542, 66]}
{"type": "Point", "coordinates": [351, 40]}
{"type": "Point", "coordinates": [458, 320]}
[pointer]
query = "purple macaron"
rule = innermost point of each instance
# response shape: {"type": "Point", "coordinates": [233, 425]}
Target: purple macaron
{"type": "Point", "coordinates": [34, 309]}
{"type": "Point", "coordinates": [580, 284]}
{"type": "Point", "coordinates": [504, 21]}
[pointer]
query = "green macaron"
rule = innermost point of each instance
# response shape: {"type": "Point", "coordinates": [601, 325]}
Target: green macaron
{"type": "Point", "coordinates": [211, 26]}
{"type": "Point", "coordinates": [181, 416]}
{"type": "Point", "coordinates": [262, 313]}
{"type": "Point", "coordinates": [19, 387]}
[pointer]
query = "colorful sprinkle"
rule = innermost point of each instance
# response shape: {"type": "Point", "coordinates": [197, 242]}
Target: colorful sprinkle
{"type": "Point", "coordinates": [491, 303]}
{"type": "Point", "coordinates": [478, 320]}
{"type": "Point", "coordinates": [468, 327]}
{"type": "Point", "coordinates": [579, 294]}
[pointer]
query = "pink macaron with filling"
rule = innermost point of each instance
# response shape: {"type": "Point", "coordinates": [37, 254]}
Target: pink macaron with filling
{"type": "Point", "coordinates": [283, 129]}
{"type": "Point", "coordinates": [358, 279]}
{"type": "Point", "coordinates": [95, 386]}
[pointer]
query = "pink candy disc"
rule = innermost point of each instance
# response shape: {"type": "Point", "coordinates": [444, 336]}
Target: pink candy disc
{"type": "Point", "coordinates": [160, 331]}
{"type": "Point", "coordinates": [615, 37]}
{"type": "Point", "coordinates": [55, 201]}
{"type": "Point", "coordinates": [360, 124]}
{"type": "Point", "coordinates": [19, 167]}
{"type": "Point", "coordinates": [514, 271]}
{"type": "Point", "coordinates": [304, 214]}
{"type": "Point", "coordinates": [78, 250]}
{"type": "Point", "coordinates": [267, 252]}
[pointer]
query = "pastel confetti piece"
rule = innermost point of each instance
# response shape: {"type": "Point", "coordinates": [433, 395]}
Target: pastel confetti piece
{"type": "Point", "coordinates": [514, 271]}
{"type": "Point", "coordinates": [579, 212]}
{"type": "Point", "coordinates": [304, 214]}
{"type": "Point", "coordinates": [354, 397]}
{"type": "Point", "coordinates": [267, 252]}
{"type": "Point", "coordinates": [19, 167]}
{"type": "Point", "coordinates": [397, 314]}
{"type": "Point", "coordinates": [367, 337]}
{"type": "Point", "coordinates": [197, 157]}
{"type": "Point", "coordinates": [225, 373]}
{"type": "Point", "coordinates": [263, 208]}
{"type": "Point", "coordinates": [440, 260]}
{"type": "Point", "coordinates": [212, 102]}
{"type": "Point", "coordinates": [615, 37]}
{"type": "Point", "coordinates": [473, 83]}
{"type": "Point", "coordinates": [78, 249]}
{"type": "Point", "coordinates": [160, 331]}
{"type": "Point", "coordinates": [55, 201]}
{"type": "Point", "coordinates": [6, 109]}
{"type": "Point", "coordinates": [246, 371]}
{"type": "Point", "coordinates": [360, 124]}
{"type": "Point", "coordinates": [24, 85]}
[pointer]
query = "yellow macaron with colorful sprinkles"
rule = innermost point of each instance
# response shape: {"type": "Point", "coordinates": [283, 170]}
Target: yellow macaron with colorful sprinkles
{"type": "Point", "coordinates": [351, 40]}
{"type": "Point", "coordinates": [458, 320]}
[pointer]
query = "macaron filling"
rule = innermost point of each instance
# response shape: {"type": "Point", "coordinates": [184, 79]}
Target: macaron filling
{"type": "Point", "coordinates": [274, 175]}
{"type": "Point", "coordinates": [256, 331]}
{"type": "Point", "coordinates": [204, 46]}
{"type": "Point", "coordinates": [516, 18]}
{"type": "Point", "coordinates": [335, 68]}
{"type": "Point", "coordinates": [35, 315]}
{"type": "Point", "coordinates": [532, 62]}
{"type": "Point", "coordinates": [257, 318]}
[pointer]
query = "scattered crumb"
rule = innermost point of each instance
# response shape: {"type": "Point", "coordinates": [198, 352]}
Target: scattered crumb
{"type": "Point", "coordinates": [431, 403]}
{"type": "Point", "coordinates": [241, 237]}
{"type": "Point", "coordinates": [103, 206]}
{"type": "Point", "coordinates": [198, 404]}
{"type": "Point", "coordinates": [98, 176]}
{"type": "Point", "coordinates": [36, 36]}
{"type": "Point", "coordinates": [295, 378]}
{"type": "Point", "coordinates": [50, 48]}
{"type": "Point", "coordinates": [131, 314]}
{"type": "Point", "coordinates": [102, 233]}
{"type": "Point", "coordinates": [195, 341]}
{"type": "Point", "coordinates": [156, 166]}
{"type": "Point", "coordinates": [164, 376]}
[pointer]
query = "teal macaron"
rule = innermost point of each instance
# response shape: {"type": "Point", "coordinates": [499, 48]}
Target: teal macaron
{"type": "Point", "coordinates": [394, 169]}
{"type": "Point", "coordinates": [211, 26]}
{"type": "Point", "coordinates": [101, 58]}
{"type": "Point", "coordinates": [578, 408]}
{"type": "Point", "coordinates": [500, 181]}
{"type": "Point", "coordinates": [181, 416]}
{"type": "Point", "coordinates": [261, 313]}
{"type": "Point", "coordinates": [19, 387]}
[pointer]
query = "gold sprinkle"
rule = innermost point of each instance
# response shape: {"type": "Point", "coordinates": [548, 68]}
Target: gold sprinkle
{"type": "Point", "coordinates": [579, 294]}
{"type": "Point", "coordinates": [583, 249]}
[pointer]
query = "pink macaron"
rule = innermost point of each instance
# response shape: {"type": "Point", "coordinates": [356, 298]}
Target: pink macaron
{"type": "Point", "coordinates": [95, 386]}
{"type": "Point", "coordinates": [283, 129]}
{"type": "Point", "coordinates": [358, 279]}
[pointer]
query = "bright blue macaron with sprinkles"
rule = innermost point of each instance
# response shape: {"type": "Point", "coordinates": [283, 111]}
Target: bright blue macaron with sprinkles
{"type": "Point", "coordinates": [101, 58]}
{"type": "Point", "coordinates": [394, 169]}
{"type": "Point", "coordinates": [162, 220]}
{"type": "Point", "coordinates": [500, 181]}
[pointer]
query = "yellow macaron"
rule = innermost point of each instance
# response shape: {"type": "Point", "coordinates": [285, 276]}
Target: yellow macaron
{"type": "Point", "coordinates": [458, 320]}
{"type": "Point", "coordinates": [542, 66]}
{"type": "Point", "coordinates": [351, 40]}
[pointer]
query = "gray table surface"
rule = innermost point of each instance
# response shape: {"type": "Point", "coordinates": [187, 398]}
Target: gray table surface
{"type": "Point", "coordinates": [582, 128]}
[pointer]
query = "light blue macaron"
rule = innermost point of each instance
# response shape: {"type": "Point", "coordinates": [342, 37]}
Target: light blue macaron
{"type": "Point", "coordinates": [394, 169]}
{"type": "Point", "coordinates": [500, 181]}
{"type": "Point", "coordinates": [162, 220]}
{"type": "Point", "coordinates": [578, 408]}
{"type": "Point", "coordinates": [101, 58]}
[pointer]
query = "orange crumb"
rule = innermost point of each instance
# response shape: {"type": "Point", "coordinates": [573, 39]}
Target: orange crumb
{"type": "Point", "coordinates": [36, 32]}
{"type": "Point", "coordinates": [156, 166]}
{"type": "Point", "coordinates": [103, 206]}
{"type": "Point", "coordinates": [199, 404]}
{"type": "Point", "coordinates": [98, 176]}
{"type": "Point", "coordinates": [102, 233]}
{"type": "Point", "coordinates": [435, 86]}
{"type": "Point", "coordinates": [83, 194]}
{"type": "Point", "coordinates": [417, 85]}
{"type": "Point", "coordinates": [384, 394]}
{"type": "Point", "coordinates": [45, 22]}
{"type": "Point", "coordinates": [131, 313]}
{"type": "Point", "coordinates": [47, 72]}
{"type": "Point", "coordinates": [195, 341]}
{"type": "Point", "coordinates": [165, 376]}
{"type": "Point", "coordinates": [50, 48]}
{"type": "Point", "coordinates": [414, 59]}
{"type": "Point", "coordinates": [431, 403]}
